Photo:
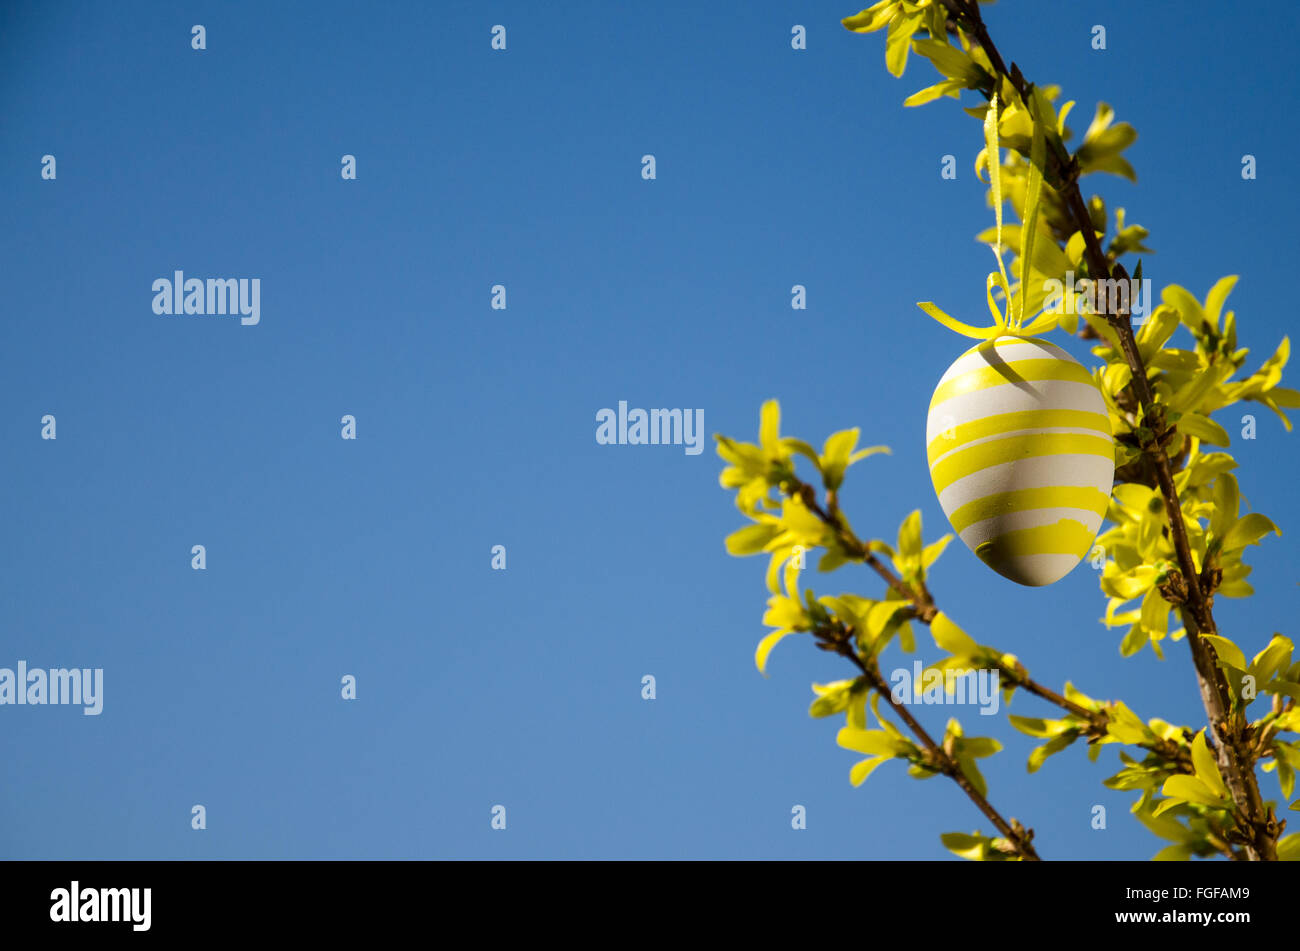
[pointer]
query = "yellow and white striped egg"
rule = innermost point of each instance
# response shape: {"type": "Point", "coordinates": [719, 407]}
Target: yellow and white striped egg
{"type": "Point", "coordinates": [1022, 457]}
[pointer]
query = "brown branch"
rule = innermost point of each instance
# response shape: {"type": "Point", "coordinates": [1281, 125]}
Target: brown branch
{"type": "Point", "coordinates": [1233, 751]}
{"type": "Point", "coordinates": [925, 611]}
{"type": "Point", "coordinates": [1263, 741]}
{"type": "Point", "coordinates": [1228, 725]}
{"type": "Point", "coordinates": [918, 595]}
{"type": "Point", "coordinates": [1019, 837]}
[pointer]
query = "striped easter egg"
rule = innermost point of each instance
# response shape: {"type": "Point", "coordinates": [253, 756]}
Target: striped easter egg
{"type": "Point", "coordinates": [1021, 456]}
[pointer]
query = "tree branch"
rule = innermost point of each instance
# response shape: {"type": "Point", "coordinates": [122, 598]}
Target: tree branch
{"type": "Point", "coordinates": [1228, 726]}
{"type": "Point", "coordinates": [1017, 835]}
{"type": "Point", "coordinates": [926, 610]}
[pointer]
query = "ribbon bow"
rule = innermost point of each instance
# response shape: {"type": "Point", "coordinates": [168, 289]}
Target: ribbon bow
{"type": "Point", "coordinates": [1008, 323]}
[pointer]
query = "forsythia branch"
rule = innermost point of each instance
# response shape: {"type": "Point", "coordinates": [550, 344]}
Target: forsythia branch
{"type": "Point", "coordinates": [925, 611]}
{"type": "Point", "coordinates": [1232, 747]}
{"type": "Point", "coordinates": [1017, 835]}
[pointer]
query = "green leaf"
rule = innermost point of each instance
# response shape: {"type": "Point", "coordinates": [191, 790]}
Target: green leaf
{"type": "Point", "coordinates": [1117, 376]}
{"type": "Point", "coordinates": [1285, 777]}
{"type": "Point", "coordinates": [1180, 361]}
{"type": "Point", "coordinates": [751, 539]}
{"type": "Point", "coordinates": [1288, 753]}
{"type": "Point", "coordinates": [1272, 659]}
{"type": "Point", "coordinates": [872, 19]}
{"type": "Point", "coordinates": [966, 846]}
{"type": "Point", "coordinates": [1075, 695]}
{"type": "Point", "coordinates": [973, 774]}
{"type": "Point", "coordinates": [949, 87]}
{"type": "Point", "coordinates": [871, 742]}
{"type": "Point", "coordinates": [1167, 827]}
{"type": "Point", "coordinates": [977, 848]}
{"type": "Point", "coordinates": [1285, 688]}
{"type": "Point", "coordinates": [1187, 789]}
{"type": "Point", "coordinates": [1130, 584]}
{"type": "Point", "coordinates": [932, 551]}
{"type": "Point", "coordinates": [1288, 849]}
{"type": "Point", "coordinates": [1190, 395]}
{"type": "Point", "coordinates": [898, 42]}
{"type": "Point", "coordinates": [909, 540]}
{"type": "Point", "coordinates": [765, 647]}
{"type": "Point", "coordinates": [831, 698]}
{"type": "Point", "coordinates": [1226, 502]}
{"type": "Point", "coordinates": [835, 456]}
{"type": "Point", "coordinates": [1285, 396]}
{"type": "Point", "coordinates": [1156, 332]}
{"type": "Point", "coordinates": [1132, 776]}
{"type": "Point", "coordinates": [1250, 528]}
{"type": "Point", "coordinates": [1051, 747]}
{"type": "Point", "coordinates": [769, 426]}
{"type": "Point", "coordinates": [1229, 653]}
{"type": "Point", "coordinates": [1134, 640]}
{"type": "Point", "coordinates": [1113, 164]}
{"type": "Point", "coordinates": [1189, 309]}
{"type": "Point", "coordinates": [1126, 726]}
{"type": "Point", "coordinates": [1075, 246]}
{"type": "Point", "coordinates": [1218, 294]}
{"type": "Point", "coordinates": [1204, 429]}
{"type": "Point", "coordinates": [950, 62]}
{"type": "Point", "coordinates": [979, 747]}
{"type": "Point", "coordinates": [864, 768]}
{"type": "Point", "coordinates": [1115, 139]}
{"type": "Point", "coordinates": [906, 639]}
{"type": "Point", "coordinates": [855, 715]}
{"type": "Point", "coordinates": [1154, 616]}
{"type": "Point", "coordinates": [1207, 771]}
{"type": "Point", "coordinates": [800, 519]}
{"type": "Point", "coordinates": [832, 559]}
{"type": "Point", "coordinates": [1033, 726]}
{"type": "Point", "coordinates": [869, 451]}
{"type": "Point", "coordinates": [948, 636]}
{"type": "Point", "coordinates": [881, 614]}
{"type": "Point", "coordinates": [801, 447]}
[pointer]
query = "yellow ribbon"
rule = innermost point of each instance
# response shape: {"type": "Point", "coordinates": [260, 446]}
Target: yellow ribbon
{"type": "Point", "coordinates": [1010, 323]}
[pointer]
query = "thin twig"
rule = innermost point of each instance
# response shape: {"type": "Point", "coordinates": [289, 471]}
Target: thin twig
{"type": "Point", "coordinates": [1019, 837]}
{"type": "Point", "coordinates": [925, 611]}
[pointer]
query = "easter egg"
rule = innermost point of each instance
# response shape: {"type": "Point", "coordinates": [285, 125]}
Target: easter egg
{"type": "Point", "coordinates": [1021, 456]}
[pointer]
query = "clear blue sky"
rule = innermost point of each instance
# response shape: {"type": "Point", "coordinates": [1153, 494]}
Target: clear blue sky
{"type": "Point", "coordinates": [476, 427]}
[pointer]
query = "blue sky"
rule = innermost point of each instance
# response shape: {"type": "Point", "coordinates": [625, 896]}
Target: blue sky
{"type": "Point", "coordinates": [476, 426]}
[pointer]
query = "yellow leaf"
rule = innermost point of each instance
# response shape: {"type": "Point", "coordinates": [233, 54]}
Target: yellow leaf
{"type": "Point", "coordinates": [951, 638]}
{"type": "Point", "coordinates": [1229, 653]}
{"type": "Point", "coordinates": [1187, 788]}
{"type": "Point", "coordinates": [1218, 294]}
{"type": "Point", "coordinates": [1207, 771]}
{"type": "Point", "coordinates": [765, 647]}
{"type": "Point", "coordinates": [871, 19]}
{"type": "Point", "coordinates": [871, 742]}
{"type": "Point", "coordinates": [861, 770]}
{"type": "Point", "coordinates": [769, 427]}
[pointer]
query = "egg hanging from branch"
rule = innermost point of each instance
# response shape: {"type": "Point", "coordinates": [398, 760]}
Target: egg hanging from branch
{"type": "Point", "coordinates": [1022, 456]}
